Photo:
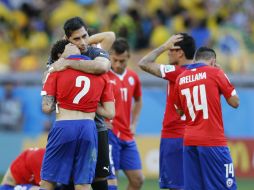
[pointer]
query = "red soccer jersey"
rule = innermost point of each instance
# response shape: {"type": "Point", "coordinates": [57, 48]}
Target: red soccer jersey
{"type": "Point", "coordinates": [26, 168]}
{"type": "Point", "coordinates": [198, 91]}
{"type": "Point", "coordinates": [173, 124]}
{"type": "Point", "coordinates": [125, 87]}
{"type": "Point", "coordinates": [76, 90]}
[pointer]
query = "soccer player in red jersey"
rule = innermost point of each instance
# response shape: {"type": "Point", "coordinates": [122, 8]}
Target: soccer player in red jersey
{"type": "Point", "coordinates": [24, 170]}
{"type": "Point", "coordinates": [71, 151]}
{"type": "Point", "coordinates": [181, 49]}
{"type": "Point", "coordinates": [207, 161]}
{"type": "Point", "coordinates": [128, 101]}
{"type": "Point", "coordinates": [76, 33]}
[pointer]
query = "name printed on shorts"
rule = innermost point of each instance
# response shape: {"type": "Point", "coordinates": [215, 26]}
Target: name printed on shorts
{"type": "Point", "coordinates": [192, 78]}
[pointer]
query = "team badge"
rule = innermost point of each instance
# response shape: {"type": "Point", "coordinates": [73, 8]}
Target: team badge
{"type": "Point", "coordinates": [131, 81]}
{"type": "Point", "coordinates": [229, 182]}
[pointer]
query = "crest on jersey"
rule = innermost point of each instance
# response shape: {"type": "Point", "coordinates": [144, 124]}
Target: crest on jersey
{"type": "Point", "coordinates": [131, 81]}
{"type": "Point", "coordinates": [169, 68]}
{"type": "Point", "coordinates": [229, 182]}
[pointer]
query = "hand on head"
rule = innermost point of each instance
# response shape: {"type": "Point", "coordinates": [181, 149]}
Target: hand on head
{"type": "Point", "coordinates": [170, 43]}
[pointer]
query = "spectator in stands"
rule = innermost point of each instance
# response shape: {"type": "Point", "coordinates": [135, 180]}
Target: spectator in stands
{"type": "Point", "coordinates": [10, 111]}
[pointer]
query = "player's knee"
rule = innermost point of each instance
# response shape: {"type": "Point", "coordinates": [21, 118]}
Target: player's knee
{"type": "Point", "coordinates": [137, 181]}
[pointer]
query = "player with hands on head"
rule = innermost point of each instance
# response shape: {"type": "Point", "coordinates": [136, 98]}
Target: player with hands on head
{"type": "Point", "coordinates": [181, 49]}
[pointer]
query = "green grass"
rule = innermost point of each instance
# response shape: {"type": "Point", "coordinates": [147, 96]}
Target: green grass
{"type": "Point", "coordinates": [152, 184]}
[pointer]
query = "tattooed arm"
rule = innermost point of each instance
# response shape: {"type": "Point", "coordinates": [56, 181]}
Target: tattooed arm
{"type": "Point", "coordinates": [48, 104]}
{"type": "Point", "coordinates": [99, 65]}
{"type": "Point", "coordinates": [148, 63]}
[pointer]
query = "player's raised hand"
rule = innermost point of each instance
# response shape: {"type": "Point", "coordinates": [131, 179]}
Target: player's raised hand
{"type": "Point", "coordinates": [59, 65]}
{"type": "Point", "coordinates": [170, 43]}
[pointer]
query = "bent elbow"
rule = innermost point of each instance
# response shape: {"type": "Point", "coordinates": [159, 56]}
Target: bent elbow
{"type": "Point", "coordinates": [145, 66]}
{"type": "Point", "coordinates": [112, 36]}
{"type": "Point", "coordinates": [111, 114]}
{"type": "Point", "coordinates": [106, 67]}
{"type": "Point", "coordinates": [234, 101]}
{"type": "Point", "coordinates": [102, 68]}
{"type": "Point", "coordinates": [141, 65]}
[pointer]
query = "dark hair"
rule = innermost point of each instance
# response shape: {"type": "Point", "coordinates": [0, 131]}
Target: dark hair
{"type": "Point", "coordinates": [187, 45]}
{"type": "Point", "coordinates": [73, 24]}
{"type": "Point", "coordinates": [120, 46]}
{"type": "Point", "coordinates": [204, 53]}
{"type": "Point", "coordinates": [57, 48]}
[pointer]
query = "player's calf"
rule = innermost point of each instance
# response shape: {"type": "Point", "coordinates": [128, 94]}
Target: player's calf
{"type": "Point", "coordinates": [136, 179]}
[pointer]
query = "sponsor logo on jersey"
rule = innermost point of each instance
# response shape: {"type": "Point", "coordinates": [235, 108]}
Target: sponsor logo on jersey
{"type": "Point", "coordinates": [169, 68]}
{"type": "Point", "coordinates": [112, 82]}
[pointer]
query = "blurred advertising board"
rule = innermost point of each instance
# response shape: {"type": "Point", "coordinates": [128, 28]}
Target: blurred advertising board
{"type": "Point", "coordinates": [242, 152]}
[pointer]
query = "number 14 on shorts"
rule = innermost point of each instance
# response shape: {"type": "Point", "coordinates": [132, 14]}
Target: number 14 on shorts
{"type": "Point", "coordinates": [229, 170]}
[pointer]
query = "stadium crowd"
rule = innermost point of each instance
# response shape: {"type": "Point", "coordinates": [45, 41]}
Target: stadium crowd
{"type": "Point", "coordinates": [28, 28]}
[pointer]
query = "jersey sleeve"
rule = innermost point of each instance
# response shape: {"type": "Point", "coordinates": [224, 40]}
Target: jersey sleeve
{"type": "Point", "coordinates": [49, 87]}
{"type": "Point", "coordinates": [225, 86]}
{"type": "Point", "coordinates": [170, 72]}
{"type": "Point", "coordinates": [97, 52]}
{"type": "Point", "coordinates": [177, 101]}
{"type": "Point", "coordinates": [138, 88]}
{"type": "Point", "coordinates": [107, 94]}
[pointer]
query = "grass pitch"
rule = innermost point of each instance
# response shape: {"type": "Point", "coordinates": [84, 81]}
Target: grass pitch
{"type": "Point", "coordinates": [152, 184]}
